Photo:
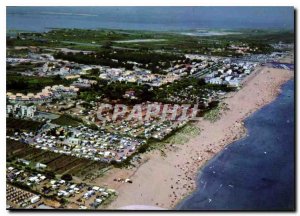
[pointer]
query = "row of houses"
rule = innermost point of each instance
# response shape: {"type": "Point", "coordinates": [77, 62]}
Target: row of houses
{"type": "Point", "coordinates": [230, 74]}
{"type": "Point", "coordinates": [138, 75]}
{"type": "Point", "coordinates": [46, 95]}
{"type": "Point", "coordinates": [83, 83]}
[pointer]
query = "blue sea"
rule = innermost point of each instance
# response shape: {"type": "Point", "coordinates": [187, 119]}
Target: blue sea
{"type": "Point", "coordinates": [149, 18]}
{"type": "Point", "coordinates": [256, 172]}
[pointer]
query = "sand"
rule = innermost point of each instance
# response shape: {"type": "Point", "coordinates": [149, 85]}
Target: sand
{"type": "Point", "coordinates": [163, 181]}
{"type": "Point", "coordinates": [140, 207]}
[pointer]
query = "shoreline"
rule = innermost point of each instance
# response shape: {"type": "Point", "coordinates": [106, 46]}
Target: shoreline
{"type": "Point", "coordinates": [166, 181]}
{"type": "Point", "coordinates": [215, 160]}
{"type": "Point", "coordinates": [243, 134]}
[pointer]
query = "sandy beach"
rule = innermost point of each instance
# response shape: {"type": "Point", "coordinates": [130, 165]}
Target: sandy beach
{"type": "Point", "coordinates": [163, 181]}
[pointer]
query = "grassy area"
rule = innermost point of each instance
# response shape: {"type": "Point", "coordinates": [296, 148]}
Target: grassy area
{"type": "Point", "coordinates": [109, 200]}
{"type": "Point", "coordinates": [172, 41]}
{"type": "Point", "coordinates": [67, 120]}
{"type": "Point", "coordinates": [99, 172]}
{"type": "Point", "coordinates": [180, 136]}
{"type": "Point", "coordinates": [21, 53]}
{"type": "Point", "coordinates": [215, 113]}
{"type": "Point", "coordinates": [183, 135]}
{"type": "Point", "coordinates": [56, 37]}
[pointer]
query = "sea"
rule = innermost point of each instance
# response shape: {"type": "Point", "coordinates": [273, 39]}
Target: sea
{"type": "Point", "coordinates": [256, 172]}
{"type": "Point", "coordinates": [40, 19]}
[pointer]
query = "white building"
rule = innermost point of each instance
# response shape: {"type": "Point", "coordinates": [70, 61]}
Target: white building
{"type": "Point", "coordinates": [234, 83]}
{"type": "Point", "coordinates": [229, 72]}
{"type": "Point", "coordinates": [9, 109]}
{"type": "Point", "coordinates": [28, 111]}
{"type": "Point", "coordinates": [35, 199]}
{"type": "Point", "coordinates": [216, 80]}
{"type": "Point", "coordinates": [228, 78]}
{"type": "Point", "coordinates": [20, 111]}
{"type": "Point", "coordinates": [74, 141]}
{"type": "Point", "coordinates": [40, 166]}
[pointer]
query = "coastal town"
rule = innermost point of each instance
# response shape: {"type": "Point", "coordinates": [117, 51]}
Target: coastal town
{"type": "Point", "coordinates": [61, 154]}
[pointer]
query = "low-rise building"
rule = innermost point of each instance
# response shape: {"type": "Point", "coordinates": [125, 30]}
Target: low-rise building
{"type": "Point", "coordinates": [216, 80]}
{"type": "Point", "coordinates": [46, 95]}
{"type": "Point", "coordinates": [20, 111]}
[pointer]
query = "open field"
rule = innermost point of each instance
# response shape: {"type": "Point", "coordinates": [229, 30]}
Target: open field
{"type": "Point", "coordinates": [96, 40]}
{"type": "Point", "coordinates": [66, 120]}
